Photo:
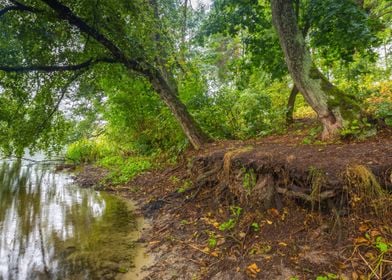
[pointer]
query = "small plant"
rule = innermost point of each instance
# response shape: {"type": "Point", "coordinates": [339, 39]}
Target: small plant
{"type": "Point", "coordinates": [328, 276]}
{"type": "Point", "coordinates": [235, 215]}
{"type": "Point", "coordinates": [381, 245]}
{"type": "Point", "coordinates": [212, 241]}
{"type": "Point", "coordinates": [255, 226]}
{"type": "Point", "coordinates": [250, 179]}
{"type": "Point", "coordinates": [357, 129]}
{"type": "Point", "coordinates": [184, 186]}
{"type": "Point", "coordinates": [311, 138]}
{"type": "Point", "coordinates": [228, 225]}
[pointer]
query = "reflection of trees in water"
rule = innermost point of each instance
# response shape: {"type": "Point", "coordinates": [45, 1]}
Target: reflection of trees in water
{"type": "Point", "coordinates": [51, 230]}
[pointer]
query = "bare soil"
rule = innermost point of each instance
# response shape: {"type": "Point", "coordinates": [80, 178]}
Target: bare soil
{"type": "Point", "coordinates": [272, 208]}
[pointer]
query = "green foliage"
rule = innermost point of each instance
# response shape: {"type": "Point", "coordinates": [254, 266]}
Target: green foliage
{"type": "Point", "coordinates": [381, 245]}
{"type": "Point", "coordinates": [87, 151]}
{"type": "Point", "coordinates": [249, 180]}
{"type": "Point", "coordinates": [231, 223]}
{"type": "Point", "coordinates": [228, 225]}
{"type": "Point", "coordinates": [357, 129]}
{"type": "Point", "coordinates": [228, 68]}
{"type": "Point", "coordinates": [255, 227]}
{"type": "Point", "coordinates": [212, 241]}
{"type": "Point", "coordinates": [340, 29]}
{"type": "Point", "coordinates": [123, 169]}
{"type": "Point", "coordinates": [328, 276]}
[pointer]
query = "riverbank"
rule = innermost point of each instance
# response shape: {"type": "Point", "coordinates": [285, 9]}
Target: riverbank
{"type": "Point", "coordinates": [270, 209]}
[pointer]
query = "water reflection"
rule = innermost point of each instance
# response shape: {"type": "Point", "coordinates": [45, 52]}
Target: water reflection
{"type": "Point", "coordinates": [50, 229]}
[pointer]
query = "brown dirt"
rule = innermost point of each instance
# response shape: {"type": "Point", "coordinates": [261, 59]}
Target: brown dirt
{"type": "Point", "coordinates": [300, 214]}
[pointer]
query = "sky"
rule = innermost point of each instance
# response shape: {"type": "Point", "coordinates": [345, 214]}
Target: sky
{"type": "Point", "coordinates": [199, 2]}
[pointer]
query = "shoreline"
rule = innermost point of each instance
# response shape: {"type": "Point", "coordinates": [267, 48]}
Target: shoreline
{"type": "Point", "coordinates": [204, 226]}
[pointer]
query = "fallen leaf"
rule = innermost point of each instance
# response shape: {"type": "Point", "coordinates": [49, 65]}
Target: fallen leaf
{"type": "Point", "coordinates": [282, 244]}
{"type": "Point", "coordinates": [242, 234]}
{"type": "Point", "coordinates": [252, 270]}
{"type": "Point", "coordinates": [363, 228]}
{"type": "Point", "coordinates": [215, 254]}
{"type": "Point", "coordinates": [370, 256]}
{"type": "Point", "coordinates": [269, 222]}
{"type": "Point", "coordinates": [274, 211]}
{"type": "Point", "coordinates": [361, 240]}
{"type": "Point", "coordinates": [206, 250]}
{"type": "Point", "coordinates": [375, 233]}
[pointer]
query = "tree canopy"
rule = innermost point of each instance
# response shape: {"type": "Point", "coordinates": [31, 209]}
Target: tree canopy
{"type": "Point", "coordinates": [141, 71]}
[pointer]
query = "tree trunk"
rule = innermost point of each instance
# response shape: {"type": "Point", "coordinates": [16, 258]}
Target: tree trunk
{"type": "Point", "coordinates": [321, 95]}
{"type": "Point", "coordinates": [290, 105]}
{"type": "Point", "coordinates": [168, 92]}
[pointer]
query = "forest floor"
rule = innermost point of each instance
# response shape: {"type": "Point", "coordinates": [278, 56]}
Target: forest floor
{"type": "Point", "coordinates": [272, 208]}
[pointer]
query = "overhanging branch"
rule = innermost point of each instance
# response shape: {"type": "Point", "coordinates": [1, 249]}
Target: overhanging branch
{"type": "Point", "coordinates": [56, 68]}
{"type": "Point", "coordinates": [43, 125]}
{"type": "Point", "coordinates": [65, 13]}
{"type": "Point", "coordinates": [17, 6]}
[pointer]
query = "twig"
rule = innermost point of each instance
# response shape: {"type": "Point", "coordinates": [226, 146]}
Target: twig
{"type": "Point", "coordinates": [368, 265]}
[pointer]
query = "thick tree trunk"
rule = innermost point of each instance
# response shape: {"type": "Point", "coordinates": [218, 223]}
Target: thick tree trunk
{"type": "Point", "coordinates": [168, 93]}
{"type": "Point", "coordinates": [316, 89]}
{"type": "Point", "coordinates": [290, 105]}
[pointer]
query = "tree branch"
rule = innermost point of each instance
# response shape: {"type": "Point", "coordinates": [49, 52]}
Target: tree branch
{"type": "Point", "coordinates": [18, 7]}
{"type": "Point", "coordinates": [42, 126]}
{"type": "Point", "coordinates": [64, 13]}
{"type": "Point", "coordinates": [56, 68]}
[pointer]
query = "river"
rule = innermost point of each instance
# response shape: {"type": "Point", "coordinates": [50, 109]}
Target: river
{"type": "Point", "coordinates": [52, 229]}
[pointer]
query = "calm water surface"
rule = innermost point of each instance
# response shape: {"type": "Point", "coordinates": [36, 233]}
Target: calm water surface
{"type": "Point", "coordinates": [51, 229]}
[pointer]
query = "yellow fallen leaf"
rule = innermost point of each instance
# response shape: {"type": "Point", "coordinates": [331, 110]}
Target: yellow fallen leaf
{"type": "Point", "coordinates": [363, 228]}
{"type": "Point", "coordinates": [269, 222]}
{"type": "Point", "coordinates": [252, 270]}
{"type": "Point", "coordinates": [206, 250]}
{"type": "Point", "coordinates": [361, 240]}
{"type": "Point", "coordinates": [375, 233]}
{"type": "Point", "coordinates": [274, 211]}
{"type": "Point", "coordinates": [370, 256]}
{"type": "Point", "coordinates": [215, 254]}
{"type": "Point", "coordinates": [242, 234]}
{"type": "Point", "coordinates": [282, 244]}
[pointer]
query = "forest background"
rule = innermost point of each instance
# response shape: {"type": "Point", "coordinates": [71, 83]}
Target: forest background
{"type": "Point", "coordinates": [131, 85]}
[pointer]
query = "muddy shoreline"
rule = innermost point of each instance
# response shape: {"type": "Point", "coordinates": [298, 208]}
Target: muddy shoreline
{"type": "Point", "coordinates": [205, 225]}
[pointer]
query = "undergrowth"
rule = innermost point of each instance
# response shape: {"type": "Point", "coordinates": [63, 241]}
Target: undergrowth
{"type": "Point", "coordinates": [122, 166]}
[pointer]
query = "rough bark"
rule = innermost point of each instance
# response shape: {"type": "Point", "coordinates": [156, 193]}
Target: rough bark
{"type": "Point", "coordinates": [316, 89]}
{"type": "Point", "coordinates": [290, 105]}
{"type": "Point", "coordinates": [169, 94]}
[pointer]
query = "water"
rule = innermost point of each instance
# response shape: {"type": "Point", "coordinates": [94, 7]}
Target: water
{"type": "Point", "coordinates": [52, 229]}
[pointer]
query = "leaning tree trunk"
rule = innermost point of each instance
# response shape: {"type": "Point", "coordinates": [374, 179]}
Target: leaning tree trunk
{"type": "Point", "coordinates": [169, 94]}
{"type": "Point", "coordinates": [321, 95]}
{"type": "Point", "coordinates": [290, 105]}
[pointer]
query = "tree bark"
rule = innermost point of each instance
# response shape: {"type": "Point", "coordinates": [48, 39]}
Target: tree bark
{"type": "Point", "coordinates": [321, 95]}
{"type": "Point", "coordinates": [290, 105]}
{"type": "Point", "coordinates": [169, 94]}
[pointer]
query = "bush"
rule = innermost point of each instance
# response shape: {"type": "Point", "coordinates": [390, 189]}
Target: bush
{"type": "Point", "coordinates": [86, 151]}
{"type": "Point", "coordinates": [123, 169]}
